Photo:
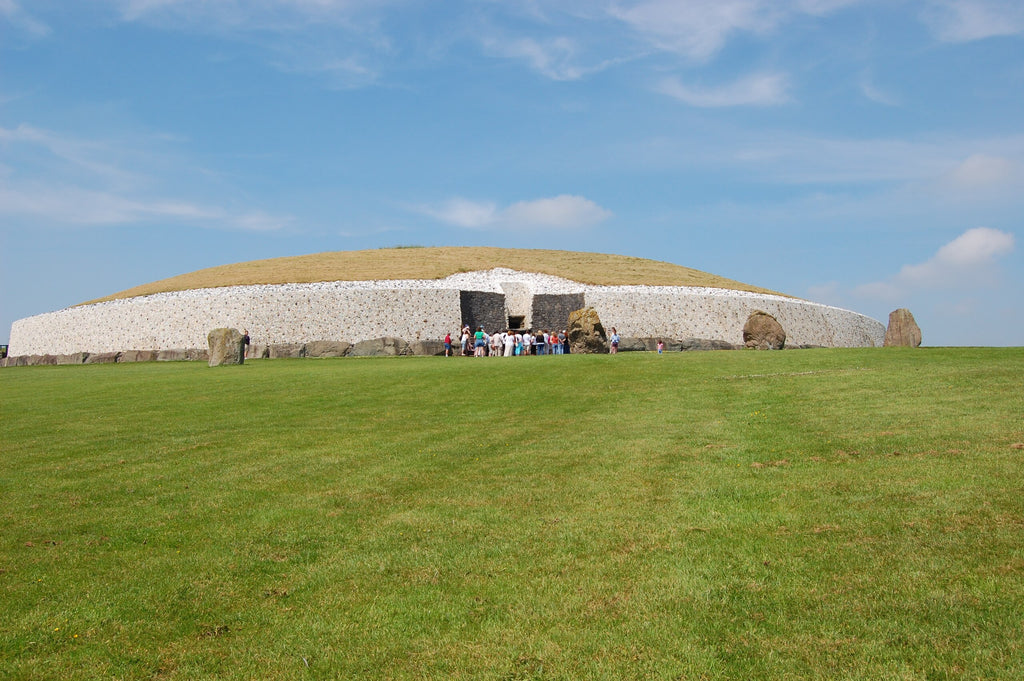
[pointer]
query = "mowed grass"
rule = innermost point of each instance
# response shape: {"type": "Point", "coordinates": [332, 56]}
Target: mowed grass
{"type": "Point", "coordinates": [438, 263]}
{"type": "Point", "coordinates": [847, 514]}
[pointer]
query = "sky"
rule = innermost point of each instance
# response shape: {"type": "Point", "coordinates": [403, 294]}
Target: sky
{"type": "Point", "coordinates": [867, 154]}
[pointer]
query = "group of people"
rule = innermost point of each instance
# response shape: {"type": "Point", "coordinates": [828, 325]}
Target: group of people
{"type": "Point", "coordinates": [509, 343]}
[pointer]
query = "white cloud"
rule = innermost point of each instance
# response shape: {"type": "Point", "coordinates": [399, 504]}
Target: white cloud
{"type": "Point", "coordinates": [969, 261]}
{"type": "Point", "coordinates": [559, 212]}
{"type": "Point", "coordinates": [960, 21]}
{"type": "Point", "coordinates": [939, 166]}
{"type": "Point", "coordinates": [464, 213]}
{"type": "Point", "coordinates": [554, 58]}
{"type": "Point", "coordinates": [61, 180]}
{"type": "Point", "coordinates": [871, 91]}
{"type": "Point", "coordinates": [974, 248]}
{"type": "Point", "coordinates": [982, 170]}
{"type": "Point", "coordinates": [699, 28]}
{"type": "Point", "coordinates": [244, 14]}
{"type": "Point", "coordinates": [768, 89]}
{"type": "Point", "coordinates": [85, 207]}
{"type": "Point", "coordinates": [12, 12]}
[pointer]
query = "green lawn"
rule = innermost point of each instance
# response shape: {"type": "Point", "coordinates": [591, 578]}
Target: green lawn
{"type": "Point", "coordinates": [847, 514]}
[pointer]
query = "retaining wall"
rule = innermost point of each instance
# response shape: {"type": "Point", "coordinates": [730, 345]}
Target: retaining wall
{"type": "Point", "coordinates": [422, 310]}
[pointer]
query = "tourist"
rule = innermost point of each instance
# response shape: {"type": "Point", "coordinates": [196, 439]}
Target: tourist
{"type": "Point", "coordinates": [510, 343]}
{"type": "Point", "coordinates": [564, 337]}
{"type": "Point", "coordinates": [448, 345]}
{"type": "Point", "coordinates": [615, 341]}
{"type": "Point", "coordinates": [478, 342]}
{"type": "Point", "coordinates": [661, 346]}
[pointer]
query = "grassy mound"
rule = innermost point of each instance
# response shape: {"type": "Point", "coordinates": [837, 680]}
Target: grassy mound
{"type": "Point", "coordinates": [437, 263]}
{"type": "Point", "coordinates": [706, 515]}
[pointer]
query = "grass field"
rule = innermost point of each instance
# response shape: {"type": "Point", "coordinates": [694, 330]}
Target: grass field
{"type": "Point", "coordinates": [438, 263]}
{"type": "Point", "coordinates": [828, 514]}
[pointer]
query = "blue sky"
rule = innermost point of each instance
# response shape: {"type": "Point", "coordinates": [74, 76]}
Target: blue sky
{"type": "Point", "coordinates": [866, 154]}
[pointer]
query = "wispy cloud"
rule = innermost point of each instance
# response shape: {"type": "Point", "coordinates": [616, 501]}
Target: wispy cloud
{"type": "Point", "coordinates": [559, 212]}
{"type": "Point", "coordinates": [873, 92]}
{"type": "Point", "coordinates": [58, 179]}
{"type": "Point", "coordinates": [16, 16]}
{"type": "Point", "coordinates": [983, 171]}
{"type": "Point", "coordinates": [264, 15]}
{"type": "Point", "coordinates": [557, 58]}
{"type": "Point", "coordinates": [696, 29]}
{"type": "Point", "coordinates": [969, 261]}
{"type": "Point", "coordinates": [699, 29]}
{"type": "Point", "coordinates": [768, 89]}
{"type": "Point", "coordinates": [960, 21]}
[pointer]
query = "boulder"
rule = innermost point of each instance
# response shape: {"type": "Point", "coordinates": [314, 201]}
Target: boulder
{"type": "Point", "coordinates": [327, 349]}
{"type": "Point", "coordinates": [703, 345]}
{"type": "Point", "coordinates": [635, 344]}
{"type": "Point", "coordinates": [902, 331]}
{"type": "Point", "coordinates": [586, 333]}
{"type": "Point", "coordinates": [139, 356]}
{"type": "Point", "coordinates": [763, 332]}
{"type": "Point", "coordinates": [102, 358]}
{"type": "Point", "coordinates": [76, 358]}
{"type": "Point", "coordinates": [428, 348]}
{"type": "Point", "coordinates": [286, 350]}
{"type": "Point", "coordinates": [172, 356]}
{"type": "Point", "coordinates": [227, 346]}
{"type": "Point", "coordinates": [380, 347]}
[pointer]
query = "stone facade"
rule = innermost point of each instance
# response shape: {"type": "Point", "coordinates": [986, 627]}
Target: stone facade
{"type": "Point", "coordinates": [422, 310]}
{"type": "Point", "coordinates": [551, 310]}
{"type": "Point", "coordinates": [482, 308]}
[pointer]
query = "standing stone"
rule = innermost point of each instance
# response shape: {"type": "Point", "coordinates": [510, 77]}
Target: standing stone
{"type": "Point", "coordinates": [586, 333]}
{"type": "Point", "coordinates": [227, 346]}
{"type": "Point", "coordinates": [763, 332]}
{"type": "Point", "coordinates": [902, 331]}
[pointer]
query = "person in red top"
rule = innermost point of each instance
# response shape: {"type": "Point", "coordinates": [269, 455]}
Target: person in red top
{"type": "Point", "coordinates": [447, 345]}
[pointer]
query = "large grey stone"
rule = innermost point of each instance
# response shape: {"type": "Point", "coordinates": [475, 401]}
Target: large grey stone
{"type": "Point", "coordinates": [76, 358]}
{"type": "Point", "coordinates": [763, 332]}
{"type": "Point", "coordinates": [139, 356]}
{"type": "Point", "coordinates": [429, 348]}
{"type": "Point", "coordinates": [286, 350]}
{"type": "Point", "coordinates": [380, 347]}
{"type": "Point", "coordinates": [227, 347]}
{"type": "Point", "coordinates": [103, 358]}
{"type": "Point", "coordinates": [902, 331]}
{"type": "Point", "coordinates": [327, 348]}
{"type": "Point", "coordinates": [704, 344]}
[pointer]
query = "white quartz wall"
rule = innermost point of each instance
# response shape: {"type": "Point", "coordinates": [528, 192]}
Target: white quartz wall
{"type": "Point", "coordinates": [415, 310]}
{"type": "Point", "coordinates": [680, 312]}
{"type": "Point", "coordinates": [272, 314]}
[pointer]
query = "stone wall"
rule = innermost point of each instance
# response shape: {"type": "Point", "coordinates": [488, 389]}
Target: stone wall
{"type": "Point", "coordinates": [482, 308]}
{"type": "Point", "coordinates": [551, 310]}
{"type": "Point", "coordinates": [678, 312]}
{"type": "Point", "coordinates": [274, 315]}
{"type": "Point", "coordinates": [422, 310]}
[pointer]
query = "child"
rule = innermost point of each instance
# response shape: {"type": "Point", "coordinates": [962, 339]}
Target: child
{"type": "Point", "coordinates": [661, 346]}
